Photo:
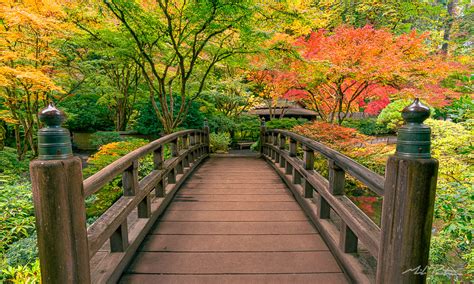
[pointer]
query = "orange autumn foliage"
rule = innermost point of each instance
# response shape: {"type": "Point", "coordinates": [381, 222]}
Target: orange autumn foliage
{"type": "Point", "coordinates": [342, 71]}
{"type": "Point", "coordinates": [28, 30]}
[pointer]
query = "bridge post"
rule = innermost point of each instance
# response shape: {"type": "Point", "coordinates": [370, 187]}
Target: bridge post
{"type": "Point", "coordinates": [282, 147]}
{"type": "Point", "coordinates": [206, 137]}
{"type": "Point", "coordinates": [407, 215]}
{"type": "Point", "coordinates": [58, 197]}
{"type": "Point", "coordinates": [263, 130]}
{"type": "Point", "coordinates": [192, 142]}
{"type": "Point", "coordinates": [308, 158]}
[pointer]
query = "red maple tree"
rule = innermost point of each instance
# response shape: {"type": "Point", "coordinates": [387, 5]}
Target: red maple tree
{"type": "Point", "coordinates": [360, 67]}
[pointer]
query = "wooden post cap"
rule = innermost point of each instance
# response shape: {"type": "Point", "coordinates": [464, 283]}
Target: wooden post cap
{"type": "Point", "coordinates": [413, 140]}
{"type": "Point", "coordinates": [54, 142]}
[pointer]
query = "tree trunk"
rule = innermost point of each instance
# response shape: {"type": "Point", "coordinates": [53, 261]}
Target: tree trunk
{"type": "Point", "coordinates": [452, 6]}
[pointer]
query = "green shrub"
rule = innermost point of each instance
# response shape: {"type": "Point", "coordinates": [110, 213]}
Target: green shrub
{"type": "Point", "coordinates": [285, 123]}
{"type": "Point", "coordinates": [101, 138]}
{"type": "Point", "coordinates": [17, 219]}
{"type": "Point", "coordinates": [367, 126]}
{"type": "Point", "coordinates": [247, 128]}
{"type": "Point", "coordinates": [11, 169]}
{"type": "Point", "coordinates": [22, 252]}
{"type": "Point", "coordinates": [219, 142]}
{"type": "Point", "coordinates": [25, 274]}
{"type": "Point", "coordinates": [147, 123]}
{"type": "Point", "coordinates": [391, 117]}
{"type": "Point", "coordinates": [459, 110]}
{"type": "Point", "coordinates": [454, 206]}
{"type": "Point", "coordinates": [221, 123]}
{"type": "Point", "coordinates": [84, 114]}
{"type": "Point", "coordinates": [102, 200]}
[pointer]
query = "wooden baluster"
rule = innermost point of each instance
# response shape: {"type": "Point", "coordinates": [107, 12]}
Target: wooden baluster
{"type": "Point", "coordinates": [119, 238]}
{"type": "Point", "coordinates": [198, 142]}
{"type": "Point", "coordinates": [336, 187]}
{"type": "Point", "coordinates": [192, 142]}
{"type": "Point", "coordinates": [144, 207]}
{"type": "Point", "coordinates": [324, 210]}
{"type": "Point", "coordinates": [282, 147]}
{"type": "Point", "coordinates": [185, 162]}
{"type": "Point", "coordinates": [293, 146]}
{"type": "Point", "coordinates": [130, 180]}
{"type": "Point", "coordinates": [172, 176]}
{"type": "Point", "coordinates": [160, 187]}
{"type": "Point", "coordinates": [180, 168]}
{"type": "Point", "coordinates": [347, 239]}
{"type": "Point", "coordinates": [206, 141]}
{"type": "Point", "coordinates": [288, 168]}
{"type": "Point", "coordinates": [337, 179]}
{"type": "Point", "coordinates": [158, 161]}
{"type": "Point", "coordinates": [296, 175]}
{"type": "Point", "coordinates": [292, 153]}
{"type": "Point", "coordinates": [174, 148]}
{"type": "Point", "coordinates": [309, 166]}
{"type": "Point", "coordinates": [175, 153]}
{"type": "Point", "coordinates": [158, 158]}
{"type": "Point", "coordinates": [263, 130]}
{"type": "Point", "coordinates": [275, 143]}
{"type": "Point", "coordinates": [185, 142]}
{"type": "Point", "coordinates": [272, 153]}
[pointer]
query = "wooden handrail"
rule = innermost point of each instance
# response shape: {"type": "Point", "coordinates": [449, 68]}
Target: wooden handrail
{"type": "Point", "coordinates": [100, 253]}
{"type": "Point", "coordinates": [372, 180]}
{"type": "Point", "coordinates": [401, 244]}
{"type": "Point", "coordinates": [299, 174]}
{"type": "Point", "coordinates": [116, 226]}
{"type": "Point", "coordinates": [93, 183]}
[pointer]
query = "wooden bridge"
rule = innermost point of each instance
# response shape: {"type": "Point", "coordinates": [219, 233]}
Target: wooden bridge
{"type": "Point", "coordinates": [270, 218]}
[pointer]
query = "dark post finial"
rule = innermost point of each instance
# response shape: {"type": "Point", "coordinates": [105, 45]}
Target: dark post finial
{"type": "Point", "coordinates": [413, 141]}
{"type": "Point", "coordinates": [54, 142]}
{"type": "Point", "coordinates": [262, 122]}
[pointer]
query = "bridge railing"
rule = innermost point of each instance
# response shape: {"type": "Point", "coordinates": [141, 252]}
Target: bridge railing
{"type": "Point", "coordinates": [402, 241]}
{"type": "Point", "coordinates": [320, 195]}
{"type": "Point", "coordinates": [69, 251]}
{"type": "Point", "coordinates": [147, 197]}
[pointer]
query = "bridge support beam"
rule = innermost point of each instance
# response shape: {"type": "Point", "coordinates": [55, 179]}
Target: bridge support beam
{"type": "Point", "coordinates": [407, 215]}
{"type": "Point", "coordinates": [58, 197]}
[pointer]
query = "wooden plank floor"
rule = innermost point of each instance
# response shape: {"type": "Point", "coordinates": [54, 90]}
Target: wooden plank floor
{"type": "Point", "coordinates": [234, 221]}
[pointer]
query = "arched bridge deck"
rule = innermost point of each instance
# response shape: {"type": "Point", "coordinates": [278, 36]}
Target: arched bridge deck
{"type": "Point", "coordinates": [234, 221]}
{"type": "Point", "coordinates": [271, 218]}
